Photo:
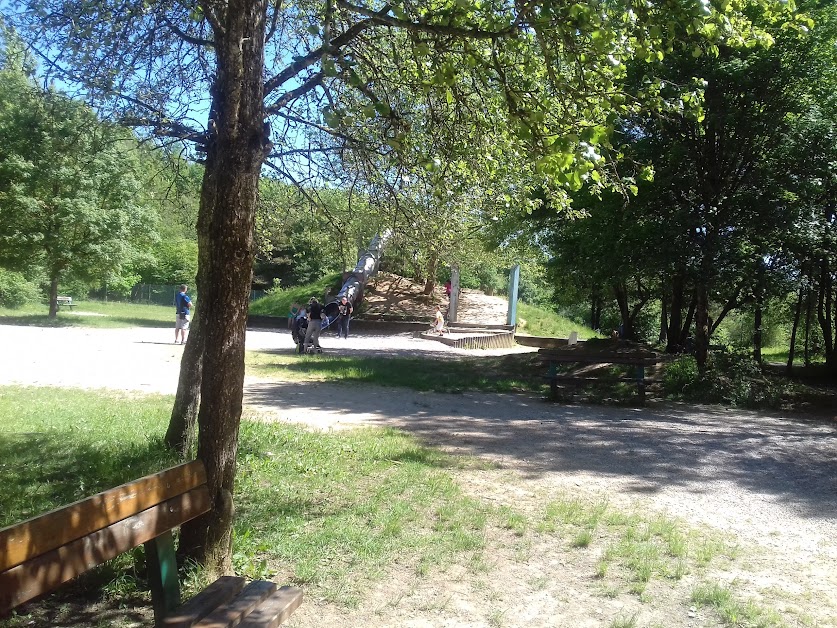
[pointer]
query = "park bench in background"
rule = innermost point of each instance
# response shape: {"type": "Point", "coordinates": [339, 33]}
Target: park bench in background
{"type": "Point", "coordinates": [40, 554]}
{"type": "Point", "coordinates": [66, 301]}
{"type": "Point", "coordinates": [638, 358]}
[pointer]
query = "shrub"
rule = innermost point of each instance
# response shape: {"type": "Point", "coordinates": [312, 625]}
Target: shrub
{"type": "Point", "coordinates": [680, 375]}
{"type": "Point", "coordinates": [733, 379]}
{"type": "Point", "coordinates": [16, 291]}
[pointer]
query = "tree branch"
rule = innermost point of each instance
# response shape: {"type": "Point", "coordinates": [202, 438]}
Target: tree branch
{"type": "Point", "coordinates": [436, 29]}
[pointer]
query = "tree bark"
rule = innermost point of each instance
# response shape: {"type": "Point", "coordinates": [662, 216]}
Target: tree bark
{"type": "Point", "coordinates": [809, 309]}
{"type": "Point", "coordinates": [675, 320]}
{"type": "Point", "coordinates": [595, 310]}
{"type": "Point", "coordinates": [757, 319]}
{"type": "Point", "coordinates": [53, 296]}
{"type": "Point", "coordinates": [663, 319]}
{"type": "Point", "coordinates": [181, 432]}
{"type": "Point", "coordinates": [702, 326]}
{"type": "Point", "coordinates": [690, 316]}
{"type": "Point", "coordinates": [621, 293]}
{"type": "Point", "coordinates": [824, 302]}
{"type": "Point", "coordinates": [430, 283]}
{"type": "Point", "coordinates": [796, 317]}
{"type": "Point", "coordinates": [235, 153]}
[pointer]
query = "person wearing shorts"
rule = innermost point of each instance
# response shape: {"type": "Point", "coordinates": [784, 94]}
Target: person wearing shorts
{"type": "Point", "coordinates": [183, 305]}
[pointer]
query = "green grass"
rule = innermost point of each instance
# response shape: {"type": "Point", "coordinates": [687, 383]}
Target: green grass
{"type": "Point", "coordinates": [278, 302]}
{"type": "Point", "coordinates": [732, 611]}
{"type": "Point", "coordinates": [634, 549]}
{"type": "Point", "coordinates": [327, 510]}
{"type": "Point", "coordinates": [538, 321]}
{"type": "Point", "coordinates": [57, 446]}
{"type": "Point", "coordinates": [331, 511]}
{"type": "Point", "coordinates": [779, 355]}
{"type": "Point", "coordinates": [517, 372]}
{"type": "Point", "coordinates": [98, 314]}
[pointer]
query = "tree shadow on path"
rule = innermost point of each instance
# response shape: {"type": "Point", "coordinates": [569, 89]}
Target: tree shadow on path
{"type": "Point", "coordinates": [652, 449]}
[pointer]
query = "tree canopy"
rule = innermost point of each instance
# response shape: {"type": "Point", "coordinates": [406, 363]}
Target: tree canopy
{"type": "Point", "coordinates": [297, 86]}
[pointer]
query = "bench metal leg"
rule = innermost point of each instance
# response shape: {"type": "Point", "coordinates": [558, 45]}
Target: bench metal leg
{"type": "Point", "coordinates": [162, 575]}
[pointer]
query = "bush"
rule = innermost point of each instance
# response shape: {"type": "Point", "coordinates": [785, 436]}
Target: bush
{"type": "Point", "coordinates": [680, 375]}
{"type": "Point", "coordinates": [733, 379]}
{"type": "Point", "coordinates": [16, 291]}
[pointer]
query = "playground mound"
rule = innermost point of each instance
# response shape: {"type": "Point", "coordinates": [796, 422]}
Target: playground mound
{"type": "Point", "coordinates": [392, 297]}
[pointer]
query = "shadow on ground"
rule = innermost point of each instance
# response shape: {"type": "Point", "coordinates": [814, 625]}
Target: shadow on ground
{"type": "Point", "coordinates": [650, 448]}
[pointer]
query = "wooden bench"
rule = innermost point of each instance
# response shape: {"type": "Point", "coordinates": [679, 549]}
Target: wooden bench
{"type": "Point", "coordinates": [40, 554]}
{"type": "Point", "coordinates": [66, 301]}
{"type": "Point", "coordinates": [639, 360]}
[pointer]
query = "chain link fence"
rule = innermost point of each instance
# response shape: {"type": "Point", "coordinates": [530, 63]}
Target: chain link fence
{"type": "Point", "coordinates": [160, 294]}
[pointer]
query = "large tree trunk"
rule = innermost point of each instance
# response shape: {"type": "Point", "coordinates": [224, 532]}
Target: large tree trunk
{"type": "Point", "coordinates": [235, 153]}
{"type": "Point", "coordinates": [182, 425]}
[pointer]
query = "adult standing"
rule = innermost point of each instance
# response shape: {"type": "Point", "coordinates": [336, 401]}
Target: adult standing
{"type": "Point", "coordinates": [315, 316]}
{"type": "Point", "coordinates": [344, 314]}
{"type": "Point", "coordinates": [183, 305]}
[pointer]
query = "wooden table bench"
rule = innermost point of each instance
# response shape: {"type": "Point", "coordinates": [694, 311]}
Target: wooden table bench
{"type": "Point", "coordinates": [40, 554]}
{"type": "Point", "coordinates": [639, 360]}
{"type": "Point", "coordinates": [65, 301]}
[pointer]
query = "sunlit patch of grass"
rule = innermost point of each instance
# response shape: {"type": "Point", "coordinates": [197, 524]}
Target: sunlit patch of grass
{"type": "Point", "coordinates": [485, 373]}
{"type": "Point", "coordinates": [732, 611]}
{"type": "Point", "coordinates": [96, 314]}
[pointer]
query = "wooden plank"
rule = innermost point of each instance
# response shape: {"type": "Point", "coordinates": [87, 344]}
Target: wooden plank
{"type": "Point", "coordinates": [41, 534]}
{"type": "Point", "coordinates": [216, 594]}
{"type": "Point", "coordinates": [275, 609]}
{"type": "Point", "coordinates": [233, 613]}
{"type": "Point", "coordinates": [45, 572]}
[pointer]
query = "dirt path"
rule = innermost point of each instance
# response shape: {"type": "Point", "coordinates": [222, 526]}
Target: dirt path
{"type": "Point", "coordinates": [767, 481]}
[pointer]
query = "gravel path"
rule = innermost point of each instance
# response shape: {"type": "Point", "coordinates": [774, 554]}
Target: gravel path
{"type": "Point", "coordinates": [768, 479]}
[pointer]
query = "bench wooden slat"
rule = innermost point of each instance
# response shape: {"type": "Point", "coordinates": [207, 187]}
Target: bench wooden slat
{"type": "Point", "coordinates": [274, 610]}
{"type": "Point", "coordinates": [246, 601]}
{"type": "Point", "coordinates": [23, 541]}
{"type": "Point", "coordinates": [45, 572]}
{"type": "Point", "coordinates": [219, 592]}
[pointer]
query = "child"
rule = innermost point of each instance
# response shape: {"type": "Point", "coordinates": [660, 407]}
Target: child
{"type": "Point", "coordinates": [440, 321]}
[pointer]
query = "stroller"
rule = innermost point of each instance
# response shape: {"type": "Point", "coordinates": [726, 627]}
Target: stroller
{"type": "Point", "coordinates": [298, 329]}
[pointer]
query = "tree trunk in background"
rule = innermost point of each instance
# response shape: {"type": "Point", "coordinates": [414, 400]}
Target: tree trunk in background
{"type": "Point", "coordinates": [675, 320]}
{"type": "Point", "coordinates": [53, 296]}
{"type": "Point", "coordinates": [621, 293]}
{"type": "Point", "coordinates": [663, 320]}
{"type": "Point", "coordinates": [229, 195]}
{"type": "Point", "coordinates": [824, 302]}
{"type": "Point", "coordinates": [809, 309]}
{"type": "Point", "coordinates": [702, 326]}
{"type": "Point", "coordinates": [430, 283]}
{"type": "Point", "coordinates": [758, 335]}
{"type": "Point", "coordinates": [595, 310]}
{"type": "Point", "coordinates": [796, 317]}
{"type": "Point", "coordinates": [180, 435]}
{"type": "Point", "coordinates": [687, 324]}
